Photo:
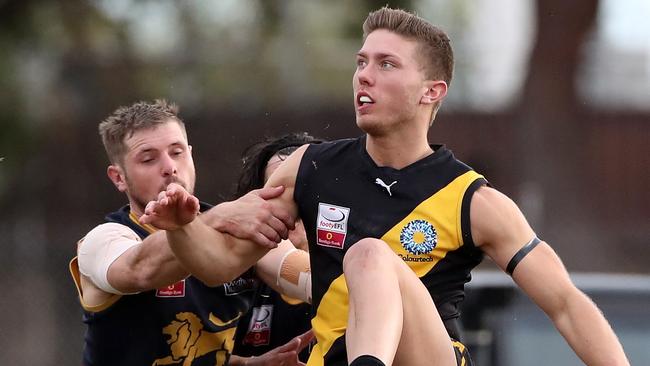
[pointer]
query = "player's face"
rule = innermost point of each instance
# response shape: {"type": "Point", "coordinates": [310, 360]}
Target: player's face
{"type": "Point", "coordinates": [388, 82]}
{"type": "Point", "coordinates": [156, 157]}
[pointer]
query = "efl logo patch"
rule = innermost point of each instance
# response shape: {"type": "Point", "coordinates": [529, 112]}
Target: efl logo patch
{"type": "Point", "coordinates": [175, 290]}
{"type": "Point", "coordinates": [332, 225]}
{"type": "Point", "coordinates": [259, 329]}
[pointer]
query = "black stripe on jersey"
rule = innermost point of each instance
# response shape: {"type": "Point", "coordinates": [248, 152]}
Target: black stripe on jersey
{"type": "Point", "coordinates": [465, 224]}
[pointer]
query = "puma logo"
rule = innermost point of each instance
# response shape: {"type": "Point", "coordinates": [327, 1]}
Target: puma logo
{"type": "Point", "coordinates": [387, 186]}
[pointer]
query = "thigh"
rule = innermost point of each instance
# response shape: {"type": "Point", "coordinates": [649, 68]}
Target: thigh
{"type": "Point", "coordinates": [424, 340]}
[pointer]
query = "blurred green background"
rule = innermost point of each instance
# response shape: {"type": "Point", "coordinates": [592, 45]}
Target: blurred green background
{"type": "Point", "coordinates": [550, 100]}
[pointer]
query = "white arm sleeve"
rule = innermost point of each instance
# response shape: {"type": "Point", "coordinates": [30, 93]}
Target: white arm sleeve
{"type": "Point", "coordinates": [100, 248]}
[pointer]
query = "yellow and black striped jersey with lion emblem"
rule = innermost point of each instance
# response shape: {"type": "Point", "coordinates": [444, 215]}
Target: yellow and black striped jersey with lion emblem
{"type": "Point", "coordinates": [421, 211]}
{"type": "Point", "coordinates": [187, 323]}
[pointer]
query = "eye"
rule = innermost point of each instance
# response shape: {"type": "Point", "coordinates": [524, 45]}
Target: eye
{"type": "Point", "coordinates": [385, 65]}
{"type": "Point", "coordinates": [361, 63]}
{"type": "Point", "coordinates": [177, 151]}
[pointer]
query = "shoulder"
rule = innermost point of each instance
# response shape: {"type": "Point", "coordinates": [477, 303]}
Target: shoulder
{"type": "Point", "coordinates": [498, 225]}
{"type": "Point", "coordinates": [106, 233]}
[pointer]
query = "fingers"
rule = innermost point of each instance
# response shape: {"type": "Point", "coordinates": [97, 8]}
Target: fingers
{"type": "Point", "coordinates": [262, 240]}
{"type": "Point", "coordinates": [285, 217]}
{"type": "Point", "coordinates": [279, 228]}
{"type": "Point", "coordinates": [305, 339]}
{"type": "Point", "coordinates": [267, 193]}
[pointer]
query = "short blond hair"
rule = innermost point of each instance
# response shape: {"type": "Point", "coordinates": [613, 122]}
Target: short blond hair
{"type": "Point", "coordinates": [126, 120]}
{"type": "Point", "coordinates": [436, 54]}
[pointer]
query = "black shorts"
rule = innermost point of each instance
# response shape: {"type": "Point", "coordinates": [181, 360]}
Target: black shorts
{"type": "Point", "coordinates": [462, 354]}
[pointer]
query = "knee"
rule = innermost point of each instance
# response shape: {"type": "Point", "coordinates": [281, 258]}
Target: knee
{"type": "Point", "coordinates": [366, 252]}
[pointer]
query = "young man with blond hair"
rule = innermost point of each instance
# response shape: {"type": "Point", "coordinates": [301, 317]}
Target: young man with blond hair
{"type": "Point", "coordinates": [395, 224]}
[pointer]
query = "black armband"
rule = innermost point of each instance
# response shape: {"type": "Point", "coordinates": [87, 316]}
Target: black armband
{"type": "Point", "coordinates": [521, 254]}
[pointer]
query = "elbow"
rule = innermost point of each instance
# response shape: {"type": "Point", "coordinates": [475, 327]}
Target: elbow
{"type": "Point", "coordinates": [216, 278]}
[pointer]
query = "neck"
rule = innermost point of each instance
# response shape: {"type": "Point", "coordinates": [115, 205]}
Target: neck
{"type": "Point", "coordinates": [396, 152]}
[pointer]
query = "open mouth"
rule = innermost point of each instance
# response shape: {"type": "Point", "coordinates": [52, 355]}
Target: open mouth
{"type": "Point", "coordinates": [364, 99]}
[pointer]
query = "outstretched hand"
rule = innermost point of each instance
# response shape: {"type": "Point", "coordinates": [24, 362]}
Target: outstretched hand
{"type": "Point", "coordinates": [251, 217]}
{"type": "Point", "coordinates": [174, 208]}
{"type": "Point", "coordinates": [286, 355]}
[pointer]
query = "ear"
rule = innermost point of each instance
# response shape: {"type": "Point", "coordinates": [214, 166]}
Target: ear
{"type": "Point", "coordinates": [117, 176]}
{"type": "Point", "coordinates": [434, 93]}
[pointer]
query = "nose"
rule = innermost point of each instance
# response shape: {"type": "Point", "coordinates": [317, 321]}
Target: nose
{"type": "Point", "coordinates": [168, 167]}
{"type": "Point", "coordinates": [364, 75]}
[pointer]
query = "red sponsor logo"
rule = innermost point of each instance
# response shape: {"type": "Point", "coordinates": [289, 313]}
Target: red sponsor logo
{"type": "Point", "coordinates": [331, 239]}
{"type": "Point", "coordinates": [175, 290]}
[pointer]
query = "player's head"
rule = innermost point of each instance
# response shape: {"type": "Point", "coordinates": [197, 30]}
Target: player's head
{"type": "Point", "coordinates": [262, 158]}
{"type": "Point", "coordinates": [434, 50]}
{"type": "Point", "coordinates": [147, 146]}
{"type": "Point", "coordinates": [403, 70]}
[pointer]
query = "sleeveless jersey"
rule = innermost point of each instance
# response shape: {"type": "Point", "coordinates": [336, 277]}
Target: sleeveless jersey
{"type": "Point", "coordinates": [421, 211]}
{"type": "Point", "coordinates": [187, 323]}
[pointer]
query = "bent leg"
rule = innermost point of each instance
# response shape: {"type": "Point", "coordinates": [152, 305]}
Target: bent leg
{"type": "Point", "coordinates": [392, 315]}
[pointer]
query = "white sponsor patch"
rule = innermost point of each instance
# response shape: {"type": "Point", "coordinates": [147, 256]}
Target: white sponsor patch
{"type": "Point", "coordinates": [332, 225]}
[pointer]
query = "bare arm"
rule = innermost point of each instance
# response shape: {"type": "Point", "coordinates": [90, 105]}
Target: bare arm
{"type": "Point", "coordinates": [148, 265]}
{"type": "Point", "coordinates": [212, 256]}
{"type": "Point", "coordinates": [500, 229]}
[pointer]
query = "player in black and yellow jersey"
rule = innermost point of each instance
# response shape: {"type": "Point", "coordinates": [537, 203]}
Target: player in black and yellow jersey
{"type": "Point", "coordinates": [395, 224]}
{"type": "Point", "coordinates": [140, 305]}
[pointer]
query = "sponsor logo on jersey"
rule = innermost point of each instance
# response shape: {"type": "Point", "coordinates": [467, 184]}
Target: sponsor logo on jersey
{"type": "Point", "coordinates": [259, 329]}
{"type": "Point", "coordinates": [175, 290]}
{"type": "Point", "coordinates": [238, 286]}
{"type": "Point", "coordinates": [332, 225]}
{"type": "Point", "coordinates": [418, 237]}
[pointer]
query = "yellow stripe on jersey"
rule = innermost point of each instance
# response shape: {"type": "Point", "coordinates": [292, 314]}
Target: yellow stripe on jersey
{"type": "Point", "coordinates": [330, 321]}
{"type": "Point", "coordinates": [443, 211]}
{"type": "Point", "coordinates": [149, 228]}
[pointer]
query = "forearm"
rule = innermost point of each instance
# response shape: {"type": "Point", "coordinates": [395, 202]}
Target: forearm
{"type": "Point", "coordinates": [154, 265]}
{"type": "Point", "coordinates": [211, 256]}
{"type": "Point", "coordinates": [588, 332]}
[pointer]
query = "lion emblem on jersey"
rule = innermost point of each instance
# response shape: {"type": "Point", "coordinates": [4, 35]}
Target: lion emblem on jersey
{"type": "Point", "coordinates": [188, 340]}
{"type": "Point", "coordinates": [418, 237]}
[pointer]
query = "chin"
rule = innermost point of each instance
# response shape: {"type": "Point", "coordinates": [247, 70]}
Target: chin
{"type": "Point", "coordinates": [372, 128]}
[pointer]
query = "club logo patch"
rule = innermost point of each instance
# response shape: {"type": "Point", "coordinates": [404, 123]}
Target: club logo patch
{"type": "Point", "coordinates": [332, 225]}
{"type": "Point", "coordinates": [175, 290]}
{"type": "Point", "coordinates": [418, 237]}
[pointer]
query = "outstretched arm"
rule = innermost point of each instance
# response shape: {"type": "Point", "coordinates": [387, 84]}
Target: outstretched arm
{"type": "Point", "coordinates": [212, 256]}
{"type": "Point", "coordinates": [500, 229]}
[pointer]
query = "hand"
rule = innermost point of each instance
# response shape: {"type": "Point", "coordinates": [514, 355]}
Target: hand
{"type": "Point", "coordinates": [174, 208]}
{"type": "Point", "coordinates": [252, 218]}
{"type": "Point", "coordinates": [286, 355]}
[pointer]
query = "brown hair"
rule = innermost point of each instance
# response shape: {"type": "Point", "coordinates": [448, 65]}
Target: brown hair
{"type": "Point", "coordinates": [125, 121]}
{"type": "Point", "coordinates": [435, 53]}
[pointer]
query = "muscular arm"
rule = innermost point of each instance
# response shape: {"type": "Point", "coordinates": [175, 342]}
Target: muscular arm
{"type": "Point", "coordinates": [500, 229]}
{"type": "Point", "coordinates": [148, 265]}
{"type": "Point", "coordinates": [212, 256]}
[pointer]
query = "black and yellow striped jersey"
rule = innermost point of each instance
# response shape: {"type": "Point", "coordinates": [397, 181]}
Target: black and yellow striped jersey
{"type": "Point", "coordinates": [421, 211]}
